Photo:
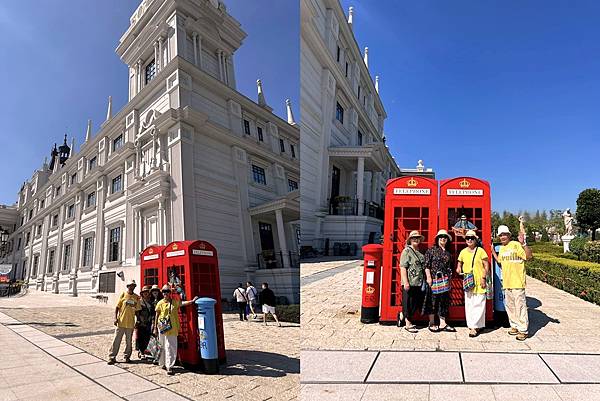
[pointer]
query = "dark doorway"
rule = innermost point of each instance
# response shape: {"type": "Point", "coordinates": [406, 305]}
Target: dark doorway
{"type": "Point", "coordinates": [267, 245]}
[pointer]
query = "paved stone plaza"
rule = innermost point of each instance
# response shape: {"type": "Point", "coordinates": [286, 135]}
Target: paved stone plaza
{"type": "Point", "coordinates": [343, 358]}
{"type": "Point", "coordinates": [61, 345]}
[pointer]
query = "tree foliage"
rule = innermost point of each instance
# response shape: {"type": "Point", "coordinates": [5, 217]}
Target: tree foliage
{"type": "Point", "coordinates": [588, 210]}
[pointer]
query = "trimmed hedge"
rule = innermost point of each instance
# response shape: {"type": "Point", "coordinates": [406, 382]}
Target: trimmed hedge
{"type": "Point", "coordinates": [592, 251]}
{"type": "Point", "coordinates": [288, 313]}
{"type": "Point", "coordinates": [579, 278]}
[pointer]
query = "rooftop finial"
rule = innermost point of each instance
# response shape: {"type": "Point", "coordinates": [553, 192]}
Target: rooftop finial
{"type": "Point", "coordinates": [290, 115]}
{"type": "Point", "coordinates": [88, 132]}
{"type": "Point", "coordinates": [420, 166]}
{"type": "Point", "coordinates": [261, 96]}
{"type": "Point", "coordinates": [367, 57]}
{"type": "Point", "coordinates": [377, 83]}
{"type": "Point", "coordinates": [350, 15]}
{"type": "Point", "coordinates": [72, 150]}
{"type": "Point", "coordinates": [109, 111]}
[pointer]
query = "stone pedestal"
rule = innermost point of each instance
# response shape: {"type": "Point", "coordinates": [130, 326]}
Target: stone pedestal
{"type": "Point", "coordinates": [566, 240]}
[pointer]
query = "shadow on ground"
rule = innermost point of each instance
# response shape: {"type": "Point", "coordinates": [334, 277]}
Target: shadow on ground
{"type": "Point", "coordinates": [44, 324]}
{"type": "Point", "coordinates": [537, 318]}
{"type": "Point", "coordinates": [259, 363]}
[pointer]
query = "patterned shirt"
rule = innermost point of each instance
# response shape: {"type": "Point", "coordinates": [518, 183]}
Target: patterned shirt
{"type": "Point", "coordinates": [439, 260]}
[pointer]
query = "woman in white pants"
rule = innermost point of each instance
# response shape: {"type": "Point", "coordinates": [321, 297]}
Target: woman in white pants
{"type": "Point", "coordinates": [166, 324]}
{"type": "Point", "coordinates": [473, 260]}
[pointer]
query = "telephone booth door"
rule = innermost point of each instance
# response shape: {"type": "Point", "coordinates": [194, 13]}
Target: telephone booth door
{"type": "Point", "coordinates": [469, 197]}
{"type": "Point", "coordinates": [151, 266]}
{"type": "Point", "coordinates": [411, 204]}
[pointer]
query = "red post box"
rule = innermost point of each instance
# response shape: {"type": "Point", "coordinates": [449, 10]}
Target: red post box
{"type": "Point", "coordinates": [468, 197]}
{"type": "Point", "coordinates": [193, 265]}
{"type": "Point", "coordinates": [373, 256]}
{"type": "Point", "coordinates": [151, 266]}
{"type": "Point", "coordinates": [411, 203]}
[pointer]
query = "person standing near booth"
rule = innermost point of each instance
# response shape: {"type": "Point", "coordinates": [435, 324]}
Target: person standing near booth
{"type": "Point", "coordinates": [127, 306]}
{"type": "Point", "coordinates": [473, 264]}
{"type": "Point", "coordinates": [252, 296]}
{"type": "Point", "coordinates": [268, 301]}
{"type": "Point", "coordinates": [511, 257]}
{"type": "Point", "coordinates": [143, 325]}
{"type": "Point", "coordinates": [412, 266]}
{"type": "Point", "coordinates": [240, 297]}
{"type": "Point", "coordinates": [438, 270]}
{"type": "Point", "coordinates": [166, 324]}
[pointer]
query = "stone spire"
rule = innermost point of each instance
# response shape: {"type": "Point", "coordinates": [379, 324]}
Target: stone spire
{"type": "Point", "coordinates": [72, 150]}
{"type": "Point", "coordinates": [261, 96]}
{"type": "Point", "coordinates": [290, 115]}
{"type": "Point", "coordinates": [88, 132]}
{"type": "Point", "coordinates": [367, 57]}
{"type": "Point", "coordinates": [350, 16]}
{"type": "Point", "coordinates": [377, 83]}
{"type": "Point", "coordinates": [109, 111]}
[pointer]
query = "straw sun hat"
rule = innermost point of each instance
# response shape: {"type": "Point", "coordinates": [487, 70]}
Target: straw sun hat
{"type": "Point", "coordinates": [414, 234]}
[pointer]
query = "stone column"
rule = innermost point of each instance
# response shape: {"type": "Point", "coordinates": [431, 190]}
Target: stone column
{"type": "Point", "coordinates": [161, 221]}
{"type": "Point", "coordinates": [282, 241]}
{"type": "Point", "coordinates": [200, 52]}
{"type": "Point", "coordinates": [360, 175]}
{"type": "Point", "coordinates": [139, 76]}
{"type": "Point", "coordinates": [156, 57]}
{"type": "Point", "coordinates": [76, 247]}
{"type": "Point", "coordinates": [374, 184]}
{"type": "Point", "coordinates": [219, 54]}
{"type": "Point", "coordinates": [159, 62]}
{"type": "Point", "coordinates": [195, 44]}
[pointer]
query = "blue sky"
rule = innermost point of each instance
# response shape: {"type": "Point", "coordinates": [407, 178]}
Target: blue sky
{"type": "Point", "coordinates": [508, 91]}
{"type": "Point", "coordinates": [59, 66]}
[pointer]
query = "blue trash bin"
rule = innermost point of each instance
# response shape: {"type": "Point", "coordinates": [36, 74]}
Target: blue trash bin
{"type": "Point", "coordinates": [207, 335]}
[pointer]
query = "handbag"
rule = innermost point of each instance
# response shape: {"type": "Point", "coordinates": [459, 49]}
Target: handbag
{"type": "Point", "coordinates": [489, 288]}
{"type": "Point", "coordinates": [153, 347]}
{"type": "Point", "coordinates": [469, 278]}
{"type": "Point", "coordinates": [440, 284]}
{"type": "Point", "coordinates": [164, 324]}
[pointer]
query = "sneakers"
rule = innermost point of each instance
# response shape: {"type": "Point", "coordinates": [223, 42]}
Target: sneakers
{"type": "Point", "coordinates": [127, 360]}
{"type": "Point", "coordinates": [513, 331]}
{"type": "Point", "coordinates": [111, 361]}
{"type": "Point", "coordinates": [170, 372]}
{"type": "Point", "coordinates": [521, 336]}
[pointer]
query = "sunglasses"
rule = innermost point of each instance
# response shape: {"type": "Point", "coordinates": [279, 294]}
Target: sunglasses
{"type": "Point", "coordinates": [166, 292]}
{"type": "Point", "coordinates": [470, 238]}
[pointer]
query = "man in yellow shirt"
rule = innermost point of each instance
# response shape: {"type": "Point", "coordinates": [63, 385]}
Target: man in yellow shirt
{"type": "Point", "coordinates": [127, 305]}
{"type": "Point", "coordinates": [511, 257]}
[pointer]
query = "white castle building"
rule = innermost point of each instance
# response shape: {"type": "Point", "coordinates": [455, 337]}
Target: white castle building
{"type": "Point", "coordinates": [188, 157]}
{"type": "Point", "coordinates": [345, 163]}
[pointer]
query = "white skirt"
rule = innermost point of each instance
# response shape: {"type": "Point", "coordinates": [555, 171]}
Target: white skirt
{"type": "Point", "coordinates": [475, 310]}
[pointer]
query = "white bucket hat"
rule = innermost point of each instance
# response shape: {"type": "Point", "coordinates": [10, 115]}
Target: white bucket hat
{"type": "Point", "coordinates": [503, 230]}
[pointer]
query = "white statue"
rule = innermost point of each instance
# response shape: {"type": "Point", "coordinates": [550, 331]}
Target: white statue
{"type": "Point", "coordinates": [568, 220]}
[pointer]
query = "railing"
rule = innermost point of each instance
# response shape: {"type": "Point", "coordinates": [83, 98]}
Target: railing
{"type": "Point", "coordinates": [275, 260]}
{"type": "Point", "coordinates": [349, 207]}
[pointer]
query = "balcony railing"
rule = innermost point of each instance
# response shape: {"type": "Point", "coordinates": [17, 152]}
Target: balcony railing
{"type": "Point", "coordinates": [275, 260]}
{"type": "Point", "coordinates": [349, 207]}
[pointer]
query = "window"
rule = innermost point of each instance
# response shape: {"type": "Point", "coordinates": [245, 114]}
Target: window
{"type": "Point", "coordinates": [150, 71]}
{"type": "Point", "coordinates": [42, 203]}
{"type": "Point", "coordinates": [54, 222]}
{"type": "Point", "coordinates": [66, 257]}
{"type": "Point", "coordinates": [337, 54]}
{"type": "Point", "coordinates": [24, 269]}
{"type": "Point", "coordinates": [339, 113]}
{"type": "Point", "coordinates": [346, 70]}
{"type": "Point", "coordinates": [118, 143]}
{"type": "Point", "coordinates": [36, 261]}
{"type": "Point", "coordinates": [106, 282]}
{"type": "Point", "coordinates": [57, 193]}
{"type": "Point", "coordinates": [51, 261]}
{"type": "Point", "coordinates": [116, 185]}
{"type": "Point", "coordinates": [39, 230]}
{"type": "Point", "coordinates": [92, 163]}
{"type": "Point", "coordinates": [259, 175]}
{"type": "Point", "coordinates": [292, 150]}
{"type": "Point", "coordinates": [30, 214]}
{"type": "Point", "coordinates": [359, 140]}
{"type": "Point", "coordinates": [71, 211]}
{"type": "Point", "coordinates": [292, 185]}
{"type": "Point", "coordinates": [22, 220]}
{"type": "Point", "coordinates": [114, 244]}
{"type": "Point", "coordinates": [247, 127]}
{"type": "Point", "coordinates": [358, 92]}
{"type": "Point", "coordinates": [27, 238]}
{"type": "Point", "coordinates": [73, 179]}
{"type": "Point", "coordinates": [281, 146]}
{"type": "Point", "coordinates": [88, 251]}
{"type": "Point", "coordinates": [260, 134]}
{"type": "Point", "coordinates": [91, 199]}
{"type": "Point", "coordinates": [19, 244]}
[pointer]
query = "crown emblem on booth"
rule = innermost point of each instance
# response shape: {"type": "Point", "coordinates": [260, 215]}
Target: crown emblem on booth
{"type": "Point", "coordinates": [151, 251]}
{"type": "Point", "coordinates": [412, 182]}
{"type": "Point", "coordinates": [464, 183]}
{"type": "Point", "coordinates": [175, 247]}
{"type": "Point", "coordinates": [202, 245]}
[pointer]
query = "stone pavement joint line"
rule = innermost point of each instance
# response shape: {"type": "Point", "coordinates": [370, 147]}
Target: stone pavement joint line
{"type": "Point", "coordinates": [63, 371]}
{"type": "Point", "coordinates": [415, 367]}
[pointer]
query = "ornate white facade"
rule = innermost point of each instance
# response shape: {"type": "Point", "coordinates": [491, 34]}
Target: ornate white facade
{"type": "Point", "coordinates": [188, 157]}
{"type": "Point", "coordinates": [345, 162]}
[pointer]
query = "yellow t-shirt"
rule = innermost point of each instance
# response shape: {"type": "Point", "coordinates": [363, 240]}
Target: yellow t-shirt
{"type": "Point", "coordinates": [512, 258]}
{"type": "Point", "coordinates": [466, 258]}
{"type": "Point", "coordinates": [163, 307]}
{"type": "Point", "coordinates": [128, 304]}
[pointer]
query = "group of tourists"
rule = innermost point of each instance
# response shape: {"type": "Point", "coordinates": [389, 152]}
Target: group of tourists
{"type": "Point", "coordinates": [426, 281]}
{"type": "Point", "coordinates": [248, 300]}
{"type": "Point", "coordinates": [154, 314]}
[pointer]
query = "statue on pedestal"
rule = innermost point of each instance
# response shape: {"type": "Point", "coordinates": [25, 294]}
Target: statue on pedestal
{"type": "Point", "coordinates": [568, 220]}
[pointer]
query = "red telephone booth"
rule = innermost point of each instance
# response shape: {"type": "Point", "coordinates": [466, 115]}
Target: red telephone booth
{"type": "Point", "coordinates": [151, 266]}
{"type": "Point", "coordinates": [411, 203]}
{"type": "Point", "coordinates": [469, 197]}
{"type": "Point", "coordinates": [193, 265]}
